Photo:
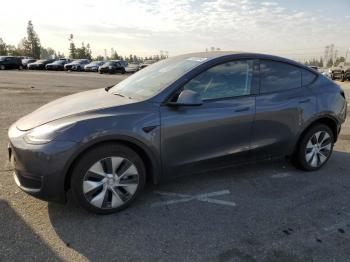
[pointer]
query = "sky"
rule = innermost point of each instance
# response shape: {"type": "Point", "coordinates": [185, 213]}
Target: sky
{"type": "Point", "coordinates": [298, 29]}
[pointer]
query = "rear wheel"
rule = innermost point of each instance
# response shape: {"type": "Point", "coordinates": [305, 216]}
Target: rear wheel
{"type": "Point", "coordinates": [342, 78]}
{"type": "Point", "coordinates": [315, 148]}
{"type": "Point", "coordinates": [2, 67]}
{"type": "Point", "coordinates": [20, 67]}
{"type": "Point", "coordinates": [108, 178]}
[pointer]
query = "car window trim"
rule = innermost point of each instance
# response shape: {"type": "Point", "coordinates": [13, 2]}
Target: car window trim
{"type": "Point", "coordinates": [313, 81]}
{"type": "Point", "coordinates": [206, 101]}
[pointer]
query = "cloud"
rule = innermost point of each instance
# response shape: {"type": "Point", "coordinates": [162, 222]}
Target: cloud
{"type": "Point", "coordinates": [269, 4]}
{"type": "Point", "coordinates": [147, 26]}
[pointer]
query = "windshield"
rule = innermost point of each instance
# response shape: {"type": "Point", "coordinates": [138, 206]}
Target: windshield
{"type": "Point", "coordinates": [96, 63]}
{"type": "Point", "coordinates": [78, 62]}
{"type": "Point", "coordinates": [153, 79]}
{"type": "Point", "coordinates": [2, 58]}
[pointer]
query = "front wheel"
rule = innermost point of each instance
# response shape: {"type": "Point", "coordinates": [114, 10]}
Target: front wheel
{"type": "Point", "coordinates": [108, 178]}
{"type": "Point", "coordinates": [315, 148]}
{"type": "Point", "coordinates": [2, 67]}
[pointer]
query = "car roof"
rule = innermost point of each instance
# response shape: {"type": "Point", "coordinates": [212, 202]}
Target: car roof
{"type": "Point", "coordinates": [239, 54]}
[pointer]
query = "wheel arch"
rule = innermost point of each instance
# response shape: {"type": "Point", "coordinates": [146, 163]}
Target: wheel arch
{"type": "Point", "coordinates": [151, 163]}
{"type": "Point", "coordinates": [329, 121]}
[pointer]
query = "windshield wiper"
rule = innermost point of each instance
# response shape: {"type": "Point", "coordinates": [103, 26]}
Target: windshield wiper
{"type": "Point", "coordinates": [108, 87]}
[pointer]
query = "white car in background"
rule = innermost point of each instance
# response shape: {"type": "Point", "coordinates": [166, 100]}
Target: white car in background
{"type": "Point", "coordinates": [93, 66]}
{"type": "Point", "coordinates": [132, 67]}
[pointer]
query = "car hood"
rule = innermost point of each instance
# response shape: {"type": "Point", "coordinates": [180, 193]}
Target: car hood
{"type": "Point", "coordinates": [71, 105]}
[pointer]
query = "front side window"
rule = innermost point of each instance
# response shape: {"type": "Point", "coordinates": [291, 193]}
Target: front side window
{"type": "Point", "coordinates": [226, 80]}
{"type": "Point", "coordinates": [278, 76]}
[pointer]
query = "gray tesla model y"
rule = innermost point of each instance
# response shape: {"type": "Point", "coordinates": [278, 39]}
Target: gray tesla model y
{"type": "Point", "coordinates": [182, 115]}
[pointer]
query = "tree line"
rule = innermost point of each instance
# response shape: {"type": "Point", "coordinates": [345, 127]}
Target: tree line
{"type": "Point", "coordinates": [30, 46]}
{"type": "Point", "coordinates": [320, 63]}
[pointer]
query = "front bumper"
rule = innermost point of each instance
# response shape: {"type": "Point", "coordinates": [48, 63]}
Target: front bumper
{"type": "Point", "coordinates": [91, 69]}
{"type": "Point", "coordinates": [104, 70]}
{"type": "Point", "coordinates": [40, 170]}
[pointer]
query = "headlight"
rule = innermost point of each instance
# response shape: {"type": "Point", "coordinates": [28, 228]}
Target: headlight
{"type": "Point", "coordinates": [46, 133]}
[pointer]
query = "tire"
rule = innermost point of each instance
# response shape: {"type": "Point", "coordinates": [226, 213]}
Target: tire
{"type": "Point", "coordinates": [123, 71]}
{"type": "Point", "coordinates": [2, 67]}
{"type": "Point", "coordinates": [20, 67]}
{"type": "Point", "coordinates": [98, 189]}
{"type": "Point", "coordinates": [342, 78]}
{"type": "Point", "coordinates": [315, 148]}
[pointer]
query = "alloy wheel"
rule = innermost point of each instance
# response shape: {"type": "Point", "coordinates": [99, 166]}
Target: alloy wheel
{"type": "Point", "coordinates": [318, 149]}
{"type": "Point", "coordinates": [110, 182]}
{"type": "Point", "coordinates": [2, 67]}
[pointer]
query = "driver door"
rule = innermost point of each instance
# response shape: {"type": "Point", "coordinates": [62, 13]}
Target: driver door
{"type": "Point", "coordinates": [216, 133]}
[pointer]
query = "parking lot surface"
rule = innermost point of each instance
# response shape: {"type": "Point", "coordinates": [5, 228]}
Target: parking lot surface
{"type": "Point", "coordinates": [261, 212]}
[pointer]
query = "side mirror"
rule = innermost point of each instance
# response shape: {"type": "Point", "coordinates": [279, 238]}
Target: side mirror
{"type": "Point", "coordinates": [188, 98]}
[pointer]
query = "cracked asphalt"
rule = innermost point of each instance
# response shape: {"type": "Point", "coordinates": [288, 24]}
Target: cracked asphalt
{"type": "Point", "coordinates": [279, 213]}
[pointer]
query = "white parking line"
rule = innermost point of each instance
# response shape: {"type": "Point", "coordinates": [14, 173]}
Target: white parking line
{"type": "Point", "coordinates": [181, 198]}
{"type": "Point", "coordinates": [281, 175]}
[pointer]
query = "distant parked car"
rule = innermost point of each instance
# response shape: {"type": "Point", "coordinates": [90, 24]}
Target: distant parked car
{"type": "Point", "coordinates": [341, 72]}
{"type": "Point", "coordinates": [147, 63]}
{"type": "Point", "coordinates": [10, 62]}
{"type": "Point", "coordinates": [76, 65]}
{"type": "Point", "coordinates": [57, 65]}
{"type": "Point", "coordinates": [112, 67]}
{"type": "Point", "coordinates": [40, 64]}
{"type": "Point", "coordinates": [93, 66]}
{"type": "Point", "coordinates": [27, 61]}
{"type": "Point", "coordinates": [132, 68]}
{"type": "Point", "coordinates": [347, 73]}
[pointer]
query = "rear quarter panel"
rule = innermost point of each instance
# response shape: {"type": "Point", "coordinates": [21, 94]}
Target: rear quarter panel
{"type": "Point", "coordinates": [330, 101]}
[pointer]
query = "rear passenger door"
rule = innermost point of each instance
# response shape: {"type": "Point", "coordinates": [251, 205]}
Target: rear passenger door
{"type": "Point", "coordinates": [284, 102]}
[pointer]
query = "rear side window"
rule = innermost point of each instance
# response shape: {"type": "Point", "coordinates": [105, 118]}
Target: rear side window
{"type": "Point", "coordinates": [278, 76]}
{"type": "Point", "coordinates": [307, 77]}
